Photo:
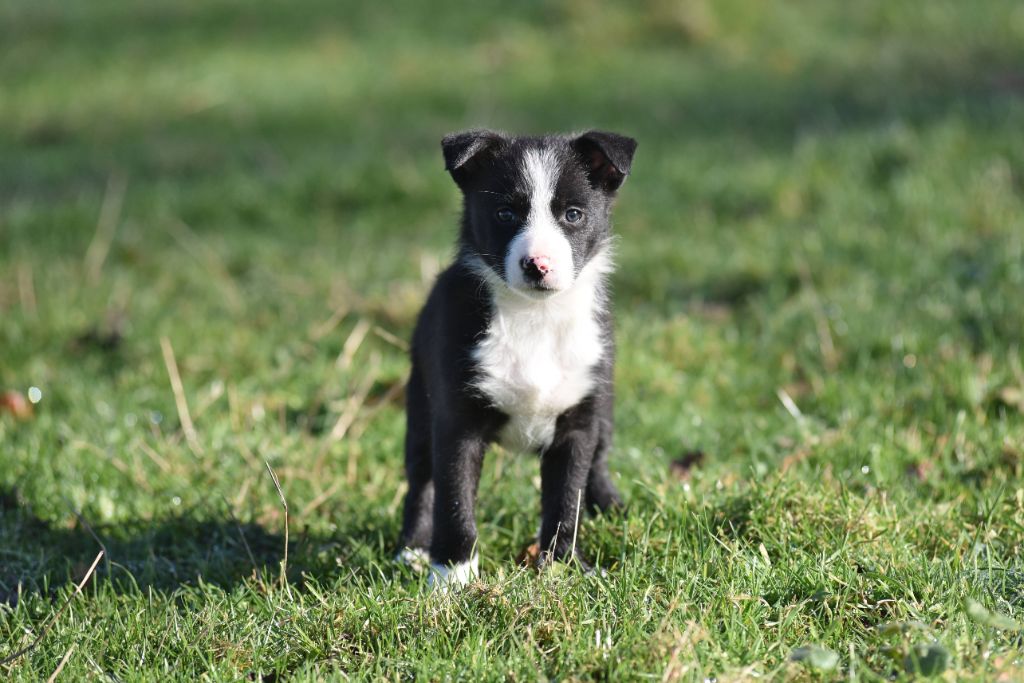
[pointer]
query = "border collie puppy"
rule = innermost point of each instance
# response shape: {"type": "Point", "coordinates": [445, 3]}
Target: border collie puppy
{"type": "Point", "coordinates": [515, 343]}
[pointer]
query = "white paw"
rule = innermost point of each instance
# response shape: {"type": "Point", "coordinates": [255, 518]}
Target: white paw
{"type": "Point", "coordinates": [444, 577]}
{"type": "Point", "coordinates": [415, 558]}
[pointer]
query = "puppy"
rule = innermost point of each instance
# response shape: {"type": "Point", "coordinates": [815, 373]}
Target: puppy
{"type": "Point", "coordinates": [515, 343]}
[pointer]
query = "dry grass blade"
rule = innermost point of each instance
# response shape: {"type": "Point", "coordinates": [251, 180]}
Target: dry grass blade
{"type": "Point", "coordinates": [210, 259]}
{"type": "Point", "coordinates": [677, 668]}
{"type": "Point", "coordinates": [390, 338]}
{"type": "Point", "coordinates": [352, 344]}
{"type": "Point", "coordinates": [215, 393]}
{"type": "Point", "coordinates": [388, 397]}
{"type": "Point", "coordinates": [321, 330]}
{"type": "Point", "coordinates": [155, 457]}
{"type": "Point", "coordinates": [284, 504]}
{"type": "Point", "coordinates": [355, 402]}
{"type": "Point", "coordinates": [52, 620]}
{"type": "Point", "coordinates": [106, 226]}
{"type": "Point", "coordinates": [789, 404]}
{"type": "Point", "coordinates": [576, 524]}
{"type": "Point", "coordinates": [179, 396]}
{"type": "Point", "coordinates": [320, 499]}
{"type": "Point", "coordinates": [88, 527]}
{"type": "Point", "coordinates": [63, 661]}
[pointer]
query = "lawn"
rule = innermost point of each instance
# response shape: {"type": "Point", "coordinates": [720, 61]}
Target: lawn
{"type": "Point", "coordinates": [218, 220]}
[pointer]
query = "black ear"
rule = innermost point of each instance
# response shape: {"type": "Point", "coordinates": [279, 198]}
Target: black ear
{"type": "Point", "coordinates": [465, 152]}
{"type": "Point", "coordinates": [608, 157]}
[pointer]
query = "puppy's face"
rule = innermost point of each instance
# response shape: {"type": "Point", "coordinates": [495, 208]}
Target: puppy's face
{"type": "Point", "coordinates": [537, 209]}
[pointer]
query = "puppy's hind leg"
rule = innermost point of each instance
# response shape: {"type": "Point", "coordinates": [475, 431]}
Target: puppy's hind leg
{"type": "Point", "coordinates": [602, 495]}
{"type": "Point", "coordinates": [417, 520]}
{"type": "Point", "coordinates": [601, 492]}
{"type": "Point", "coordinates": [564, 468]}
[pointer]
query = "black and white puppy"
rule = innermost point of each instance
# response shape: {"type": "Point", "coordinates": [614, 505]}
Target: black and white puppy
{"type": "Point", "coordinates": [515, 342]}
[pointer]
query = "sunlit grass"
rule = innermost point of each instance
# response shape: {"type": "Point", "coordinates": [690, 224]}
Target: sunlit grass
{"type": "Point", "coordinates": [821, 261]}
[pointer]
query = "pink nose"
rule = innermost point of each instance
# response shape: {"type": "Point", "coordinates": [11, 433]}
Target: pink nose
{"type": "Point", "coordinates": [536, 267]}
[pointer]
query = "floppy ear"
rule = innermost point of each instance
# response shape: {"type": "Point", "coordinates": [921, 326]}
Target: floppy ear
{"type": "Point", "coordinates": [608, 157]}
{"type": "Point", "coordinates": [465, 152]}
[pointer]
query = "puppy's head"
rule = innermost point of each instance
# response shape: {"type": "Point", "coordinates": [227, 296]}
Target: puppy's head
{"type": "Point", "coordinates": [537, 209]}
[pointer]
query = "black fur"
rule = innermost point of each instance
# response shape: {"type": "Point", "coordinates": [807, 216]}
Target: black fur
{"type": "Point", "coordinates": [450, 424]}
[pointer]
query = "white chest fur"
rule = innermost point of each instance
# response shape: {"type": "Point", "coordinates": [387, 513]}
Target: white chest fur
{"type": "Point", "coordinates": [536, 359]}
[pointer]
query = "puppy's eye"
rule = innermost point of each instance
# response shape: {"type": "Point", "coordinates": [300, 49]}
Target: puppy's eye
{"type": "Point", "coordinates": [505, 214]}
{"type": "Point", "coordinates": [574, 215]}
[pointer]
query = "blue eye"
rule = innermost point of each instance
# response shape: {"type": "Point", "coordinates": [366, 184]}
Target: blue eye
{"type": "Point", "coordinates": [574, 215]}
{"type": "Point", "coordinates": [505, 214]}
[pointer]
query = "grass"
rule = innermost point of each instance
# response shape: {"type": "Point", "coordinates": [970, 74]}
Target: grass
{"type": "Point", "coordinates": [819, 289]}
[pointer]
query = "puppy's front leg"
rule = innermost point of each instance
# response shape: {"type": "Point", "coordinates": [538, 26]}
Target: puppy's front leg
{"type": "Point", "coordinates": [458, 455]}
{"type": "Point", "coordinates": [564, 468]}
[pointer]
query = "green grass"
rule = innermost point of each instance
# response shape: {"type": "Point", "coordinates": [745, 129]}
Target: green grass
{"type": "Point", "coordinates": [827, 205]}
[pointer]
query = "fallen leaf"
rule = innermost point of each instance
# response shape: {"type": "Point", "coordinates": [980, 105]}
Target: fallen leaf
{"type": "Point", "coordinates": [15, 403]}
{"type": "Point", "coordinates": [529, 555]}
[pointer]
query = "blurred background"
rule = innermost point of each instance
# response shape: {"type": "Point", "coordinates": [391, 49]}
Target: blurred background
{"type": "Point", "coordinates": [820, 255]}
{"type": "Point", "coordinates": [825, 196]}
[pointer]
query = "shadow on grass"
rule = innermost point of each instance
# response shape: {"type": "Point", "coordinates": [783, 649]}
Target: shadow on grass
{"type": "Point", "coordinates": [197, 546]}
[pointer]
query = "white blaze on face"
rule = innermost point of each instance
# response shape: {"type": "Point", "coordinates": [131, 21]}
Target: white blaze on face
{"type": "Point", "coordinates": [541, 236]}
